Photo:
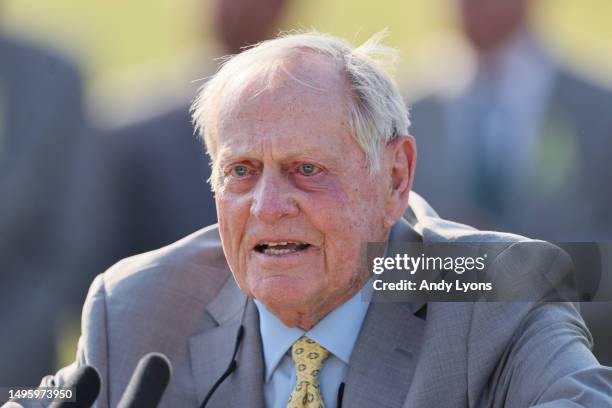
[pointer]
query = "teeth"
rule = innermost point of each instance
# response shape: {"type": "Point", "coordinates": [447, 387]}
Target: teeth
{"type": "Point", "coordinates": [273, 244]}
{"type": "Point", "coordinates": [271, 251]}
{"type": "Point", "coordinates": [281, 247]}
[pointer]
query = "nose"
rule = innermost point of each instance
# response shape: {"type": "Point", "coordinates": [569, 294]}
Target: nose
{"type": "Point", "coordinates": [273, 198]}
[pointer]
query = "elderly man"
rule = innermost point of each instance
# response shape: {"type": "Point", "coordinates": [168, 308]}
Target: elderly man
{"type": "Point", "coordinates": [311, 159]}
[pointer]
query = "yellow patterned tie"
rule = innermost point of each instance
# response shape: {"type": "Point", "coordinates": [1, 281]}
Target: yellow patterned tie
{"type": "Point", "coordinates": [308, 357]}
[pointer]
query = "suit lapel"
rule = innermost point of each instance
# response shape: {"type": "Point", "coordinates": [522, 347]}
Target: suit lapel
{"type": "Point", "coordinates": [211, 352]}
{"type": "Point", "coordinates": [402, 360]}
{"type": "Point", "coordinates": [441, 370]}
{"type": "Point", "coordinates": [384, 359]}
{"type": "Point", "coordinates": [442, 364]}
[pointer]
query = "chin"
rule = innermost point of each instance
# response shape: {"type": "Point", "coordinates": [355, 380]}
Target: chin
{"type": "Point", "coordinates": [284, 293]}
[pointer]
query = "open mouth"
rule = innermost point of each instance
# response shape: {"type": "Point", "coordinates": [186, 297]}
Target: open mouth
{"type": "Point", "coordinates": [280, 248]}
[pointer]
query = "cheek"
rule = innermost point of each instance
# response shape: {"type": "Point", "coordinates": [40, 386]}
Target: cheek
{"type": "Point", "coordinates": [346, 225]}
{"type": "Point", "coordinates": [232, 211]}
{"type": "Point", "coordinates": [233, 215]}
{"type": "Point", "coordinates": [350, 209]}
{"type": "Point", "coordinates": [367, 208]}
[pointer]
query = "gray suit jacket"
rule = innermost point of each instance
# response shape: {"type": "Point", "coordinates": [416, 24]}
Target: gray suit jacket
{"type": "Point", "coordinates": [182, 301]}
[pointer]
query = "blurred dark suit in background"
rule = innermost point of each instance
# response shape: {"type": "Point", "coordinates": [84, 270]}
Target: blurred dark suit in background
{"type": "Point", "coordinates": [537, 165]}
{"type": "Point", "coordinates": [525, 143]}
{"type": "Point", "coordinates": [41, 122]}
{"type": "Point", "coordinates": [74, 200]}
{"type": "Point", "coordinates": [149, 188]}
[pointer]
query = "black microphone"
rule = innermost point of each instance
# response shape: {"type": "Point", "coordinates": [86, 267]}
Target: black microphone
{"type": "Point", "coordinates": [86, 383]}
{"type": "Point", "coordinates": [233, 364]}
{"type": "Point", "coordinates": [148, 382]}
{"type": "Point", "coordinates": [340, 396]}
{"type": "Point", "coordinates": [228, 371]}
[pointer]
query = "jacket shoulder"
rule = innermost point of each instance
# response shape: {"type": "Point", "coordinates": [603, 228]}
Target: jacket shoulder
{"type": "Point", "coordinates": [193, 267]}
{"type": "Point", "coordinates": [423, 219]}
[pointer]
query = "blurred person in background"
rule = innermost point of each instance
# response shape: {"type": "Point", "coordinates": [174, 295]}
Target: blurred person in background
{"type": "Point", "coordinates": [41, 121]}
{"type": "Point", "coordinates": [525, 142]}
{"type": "Point", "coordinates": [150, 186]}
{"type": "Point", "coordinates": [135, 188]}
{"type": "Point", "coordinates": [138, 187]}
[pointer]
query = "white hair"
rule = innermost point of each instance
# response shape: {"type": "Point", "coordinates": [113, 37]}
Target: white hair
{"type": "Point", "coordinates": [377, 112]}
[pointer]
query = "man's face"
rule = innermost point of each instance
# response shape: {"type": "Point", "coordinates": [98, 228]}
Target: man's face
{"type": "Point", "coordinates": [294, 195]}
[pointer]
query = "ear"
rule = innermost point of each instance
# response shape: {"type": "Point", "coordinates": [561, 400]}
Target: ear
{"type": "Point", "coordinates": [402, 155]}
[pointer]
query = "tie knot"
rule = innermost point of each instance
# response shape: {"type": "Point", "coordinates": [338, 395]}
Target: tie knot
{"type": "Point", "coordinates": [308, 357]}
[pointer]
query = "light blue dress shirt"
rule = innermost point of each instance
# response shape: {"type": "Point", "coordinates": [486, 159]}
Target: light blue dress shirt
{"type": "Point", "coordinates": [337, 332]}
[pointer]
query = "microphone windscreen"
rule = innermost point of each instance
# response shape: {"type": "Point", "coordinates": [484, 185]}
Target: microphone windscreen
{"type": "Point", "coordinates": [86, 383]}
{"type": "Point", "coordinates": [148, 382]}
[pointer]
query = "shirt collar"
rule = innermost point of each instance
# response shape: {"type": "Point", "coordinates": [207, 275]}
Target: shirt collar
{"type": "Point", "coordinates": [337, 331]}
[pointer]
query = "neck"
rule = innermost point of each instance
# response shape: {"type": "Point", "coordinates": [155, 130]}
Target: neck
{"type": "Point", "coordinates": [308, 317]}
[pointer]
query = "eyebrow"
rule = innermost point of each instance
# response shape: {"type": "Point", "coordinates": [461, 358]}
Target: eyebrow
{"type": "Point", "coordinates": [247, 154]}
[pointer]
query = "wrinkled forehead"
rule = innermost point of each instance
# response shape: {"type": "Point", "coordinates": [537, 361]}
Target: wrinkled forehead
{"type": "Point", "coordinates": [305, 80]}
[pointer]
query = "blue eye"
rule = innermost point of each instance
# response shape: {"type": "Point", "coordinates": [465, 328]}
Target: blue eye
{"type": "Point", "coordinates": [308, 169]}
{"type": "Point", "coordinates": [239, 171]}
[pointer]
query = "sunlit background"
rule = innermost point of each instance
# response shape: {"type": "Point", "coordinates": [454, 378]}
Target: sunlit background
{"type": "Point", "coordinates": [133, 51]}
{"type": "Point", "coordinates": [130, 47]}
